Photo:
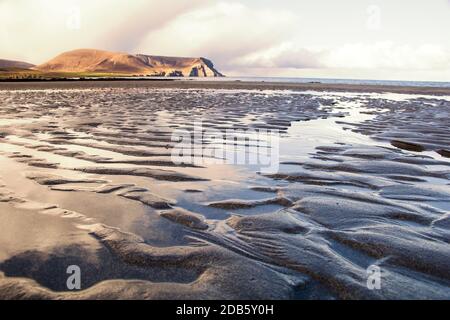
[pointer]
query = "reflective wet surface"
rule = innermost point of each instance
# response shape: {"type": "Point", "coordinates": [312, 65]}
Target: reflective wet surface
{"type": "Point", "coordinates": [87, 178]}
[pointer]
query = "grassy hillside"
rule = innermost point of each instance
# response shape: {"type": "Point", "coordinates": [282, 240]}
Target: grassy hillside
{"type": "Point", "coordinates": [28, 74]}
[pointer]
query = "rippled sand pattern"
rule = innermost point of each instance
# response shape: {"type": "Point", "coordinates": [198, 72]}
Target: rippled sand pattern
{"type": "Point", "coordinates": [87, 179]}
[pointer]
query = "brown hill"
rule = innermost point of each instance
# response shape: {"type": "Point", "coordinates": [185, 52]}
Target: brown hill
{"type": "Point", "coordinates": [11, 64]}
{"type": "Point", "coordinates": [98, 61]}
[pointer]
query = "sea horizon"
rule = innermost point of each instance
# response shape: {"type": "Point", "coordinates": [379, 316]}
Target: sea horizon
{"type": "Point", "coordinates": [401, 83]}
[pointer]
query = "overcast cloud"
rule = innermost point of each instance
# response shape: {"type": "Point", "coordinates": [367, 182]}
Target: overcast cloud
{"type": "Point", "coordinates": [349, 38]}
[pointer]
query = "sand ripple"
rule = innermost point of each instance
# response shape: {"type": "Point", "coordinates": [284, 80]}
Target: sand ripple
{"type": "Point", "coordinates": [91, 171]}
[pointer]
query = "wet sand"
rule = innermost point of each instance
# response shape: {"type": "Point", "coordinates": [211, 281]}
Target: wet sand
{"type": "Point", "coordinates": [87, 179]}
{"type": "Point", "coordinates": [223, 84]}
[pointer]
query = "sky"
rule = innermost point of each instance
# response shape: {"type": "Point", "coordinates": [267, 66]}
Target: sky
{"type": "Point", "coordinates": [361, 39]}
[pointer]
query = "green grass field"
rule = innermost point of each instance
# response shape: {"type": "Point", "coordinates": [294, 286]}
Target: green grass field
{"type": "Point", "coordinates": [28, 74]}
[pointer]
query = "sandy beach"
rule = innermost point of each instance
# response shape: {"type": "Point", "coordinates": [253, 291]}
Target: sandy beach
{"type": "Point", "coordinates": [88, 178]}
{"type": "Point", "coordinates": [223, 84]}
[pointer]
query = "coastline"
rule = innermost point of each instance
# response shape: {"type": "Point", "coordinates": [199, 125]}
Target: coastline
{"type": "Point", "coordinates": [230, 85]}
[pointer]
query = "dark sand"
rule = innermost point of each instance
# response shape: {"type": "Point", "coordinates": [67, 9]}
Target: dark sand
{"type": "Point", "coordinates": [87, 179]}
{"type": "Point", "coordinates": [198, 84]}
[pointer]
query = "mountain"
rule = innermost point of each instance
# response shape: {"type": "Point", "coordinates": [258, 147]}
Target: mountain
{"type": "Point", "coordinates": [192, 67]}
{"type": "Point", "coordinates": [11, 64]}
{"type": "Point", "coordinates": [99, 61]}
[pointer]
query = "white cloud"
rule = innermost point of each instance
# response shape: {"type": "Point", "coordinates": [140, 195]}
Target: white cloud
{"type": "Point", "coordinates": [242, 37]}
{"type": "Point", "coordinates": [221, 31]}
{"type": "Point", "coordinates": [285, 55]}
{"type": "Point", "coordinates": [36, 30]}
{"type": "Point", "coordinates": [258, 41]}
{"type": "Point", "coordinates": [359, 56]}
{"type": "Point", "coordinates": [388, 55]}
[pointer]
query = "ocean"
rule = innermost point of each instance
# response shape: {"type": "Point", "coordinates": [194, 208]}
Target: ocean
{"type": "Point", "coordinates": [333, 81]}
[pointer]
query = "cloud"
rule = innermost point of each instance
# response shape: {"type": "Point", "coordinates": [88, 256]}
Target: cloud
{"type": "Point", "coordinates": [286, 55]}
{"type": "Point", "coordinates": [245, 39]}
{"type": "Point", "coordinates": [135, 23]}
{"type": "Point", "coordinates": [222, 31]}
{"type": "Point", "coordinates": [241, 37]}
{"type": "Point", "coordinates": [36, 30]}
{"type": "Point", "coordinates": [379, 55]}
{"type": "Point", "coordinates": [388, 55]}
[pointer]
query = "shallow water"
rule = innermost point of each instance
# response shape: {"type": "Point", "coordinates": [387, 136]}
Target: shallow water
{"type": "Point", "coordinates": [87, 177]}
